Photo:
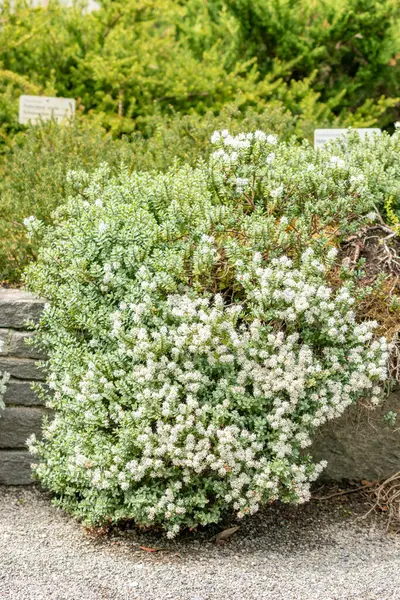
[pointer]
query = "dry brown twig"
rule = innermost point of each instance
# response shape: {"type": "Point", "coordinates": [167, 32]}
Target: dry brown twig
{"type": "Point", "coordinates": [336, 494]}
{"type": "Point", "coordinates": [385, 497]}
{"type": "Point", "coordinates": [374, 239]}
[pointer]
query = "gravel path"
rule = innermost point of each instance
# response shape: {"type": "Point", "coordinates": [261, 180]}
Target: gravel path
{"type": "Point", "coordinates": [313, 552]}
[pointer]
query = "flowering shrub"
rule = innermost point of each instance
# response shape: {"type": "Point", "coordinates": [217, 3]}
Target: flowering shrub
{"type": "Point", "coordinates": [190, 358]}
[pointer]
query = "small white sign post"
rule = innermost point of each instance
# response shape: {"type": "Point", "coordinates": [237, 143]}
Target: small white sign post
{"type": "Point", "coordinates": [33, 109]}
{"type": "Point", "coordinates": [321, 136]}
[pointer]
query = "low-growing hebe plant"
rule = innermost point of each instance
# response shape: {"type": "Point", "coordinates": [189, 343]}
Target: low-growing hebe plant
{"type": "Point", "coordinates": [194, 342]}
{"type": "Point", "coordinates": [4, 377]}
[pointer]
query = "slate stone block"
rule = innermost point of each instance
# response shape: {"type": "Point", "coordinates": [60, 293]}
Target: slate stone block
{"type": "Point", "coordinates": [17, 345]}
{"type": "Point", "coordinates": [18, 306]}
{"type": "Point", "coordinates": [17, 424]}
{"type": "Point", "coordinates": [21, 393]}
{"type": "Point", "coordinates": [21, 368]}
{"type": "Point", "coordinates": [15, 467]}
{"type": "Point", "coordinates": [4, 341]}
{"type": "Point", "coordinates": [360, 445]}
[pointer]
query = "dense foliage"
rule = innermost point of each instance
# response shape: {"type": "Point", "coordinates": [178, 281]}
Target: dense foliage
{"type": "Point", "coordinates": [195, 343]}
{"type": "Point", "coordinates": [33, 181]}
{"type": "Point", "coordinates": [133, 61]}
{"type": "Point", "coordinates": [33, 173]}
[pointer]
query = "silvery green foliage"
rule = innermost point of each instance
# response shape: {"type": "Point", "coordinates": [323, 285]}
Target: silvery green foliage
{"type": "Point", "coordinates": [377, 160]}
{"type": "Point", "coordinates": [190, 359]}
{"type": "Point", "coordinates": [4, 377]}
{"type": "Point", "coordinates": [3, 381]}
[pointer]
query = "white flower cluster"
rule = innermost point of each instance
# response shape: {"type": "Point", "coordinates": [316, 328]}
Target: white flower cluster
{"type": "Point", "coordinates": [336, 161]}
{"type": "Point", "coordinates": [229, 145]}
{"type": "Point", "coordinates": [32, 225]}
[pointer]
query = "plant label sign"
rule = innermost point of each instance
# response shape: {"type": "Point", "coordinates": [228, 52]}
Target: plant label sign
{"type": "Point", "coordinates": [33, 109]}
{"type": "Point", "coordinates": [321, 136]}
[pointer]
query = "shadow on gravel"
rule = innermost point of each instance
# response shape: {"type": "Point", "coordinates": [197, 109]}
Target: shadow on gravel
{"type": "Point", "coordinates": [277, 529]}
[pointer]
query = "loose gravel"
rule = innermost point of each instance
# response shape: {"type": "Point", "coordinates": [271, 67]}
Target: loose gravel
{"type": "Point", "coordinates": [322, 550]}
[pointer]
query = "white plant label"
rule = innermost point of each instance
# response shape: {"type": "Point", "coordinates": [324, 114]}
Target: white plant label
{"type": "Point", "coordinates": [33, 109]}
{"type": "Point", "coordinates": [321, 136]}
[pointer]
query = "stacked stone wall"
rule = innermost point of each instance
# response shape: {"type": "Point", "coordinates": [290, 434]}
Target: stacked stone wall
{"type": "Point", "coordinates": [23, 413]}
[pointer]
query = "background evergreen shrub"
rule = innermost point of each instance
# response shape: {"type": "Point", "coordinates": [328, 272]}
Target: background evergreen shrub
{"type": "Point", "coordinates": [338, 60]}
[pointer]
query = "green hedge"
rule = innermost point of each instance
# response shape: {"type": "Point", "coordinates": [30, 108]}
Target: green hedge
{"type": "Point", "coordinates": [133, 61]}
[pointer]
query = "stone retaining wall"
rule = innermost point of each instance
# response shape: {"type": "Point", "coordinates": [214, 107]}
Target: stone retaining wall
{"type": "Point", "coordinates": [24, 410]}
{"type": "Point", "coordinates": [360, 445]}
{"type": "Point", "coordinates": [357, 446]}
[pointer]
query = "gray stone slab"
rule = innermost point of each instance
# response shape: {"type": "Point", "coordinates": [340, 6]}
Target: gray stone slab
{"type": "Point", "coordinates": [21, 393]}
{"type": "Point", "coordinates": [17, 424]}
{"type": "Point", "coordinates": [360, 445]}
{"type": "Point", "coordinates": [18, 306]}
{"type": "Point", "coordinates": [21, 368]}
{"type": "Point", "coordinates": [17, 345]}
{"type": "Point", "coordinates": [15, 467]}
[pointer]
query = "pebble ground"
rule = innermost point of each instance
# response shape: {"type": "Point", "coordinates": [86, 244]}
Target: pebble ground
{"type": "Point", "coordinates": [320, 551]}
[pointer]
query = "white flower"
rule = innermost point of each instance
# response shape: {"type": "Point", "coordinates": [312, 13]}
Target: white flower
{"type": "Point", "coordinates": [220, 155]}
{"type": "Point", "coordinates": [332, 253]}
{"type": "Point", "coordinates": [241, 183]}
{"type": "Point", "coordinates": [272, 139]}
{"type": "Point", "coordinates": [337, 162]}
{"type": "Point", "coordinates": [359, 178]}
{"type": "Point", "coordinates": [275, 193]}
{"type": "Point", "coordinates": [260, 135]}
{"type": "Point", "coordinates": [29, 221]}
{"type": "Point", "coordinates": [207, 239]}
